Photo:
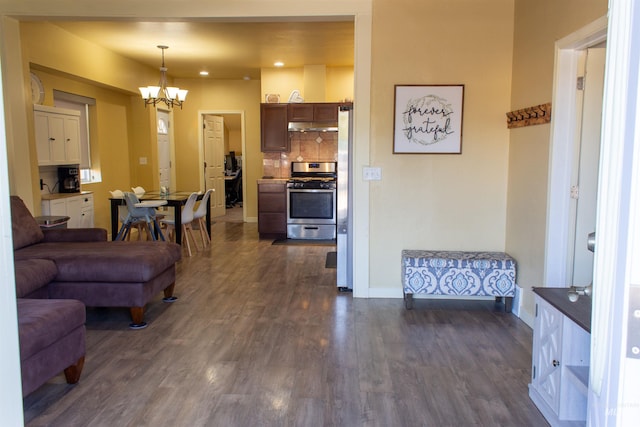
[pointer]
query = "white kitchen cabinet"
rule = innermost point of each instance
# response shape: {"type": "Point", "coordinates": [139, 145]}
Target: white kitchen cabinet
{"type": "Point", "coordinates": [560, 360]}
{"type": "Point", "coordinates": [79, 209]}
{"type": "Point", "coordinates": [86, 211]}
{"type": "Point", "coordinates": [73, 211]}
{"type": "Point", "coordinates": [54, 207]}
{"type": "Point", "coordinates": [57, 132]}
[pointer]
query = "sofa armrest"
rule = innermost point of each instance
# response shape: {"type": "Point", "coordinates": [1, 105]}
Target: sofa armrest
{"type": "Point", "coordinates": [75, 235]}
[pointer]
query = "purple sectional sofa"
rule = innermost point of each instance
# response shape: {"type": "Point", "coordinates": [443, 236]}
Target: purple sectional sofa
{"type": "Point", "coordinates": [51, 331]}
{"type": "Point", "coordinates": [59, 271]}
{"type": "Point", "coordinates": [93, 270]}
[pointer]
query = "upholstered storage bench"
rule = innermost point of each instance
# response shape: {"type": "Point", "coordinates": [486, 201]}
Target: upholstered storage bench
{"type": "Point", "coordinates": [454, 273]}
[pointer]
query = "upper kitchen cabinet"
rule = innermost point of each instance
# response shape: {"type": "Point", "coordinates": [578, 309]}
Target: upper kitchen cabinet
{"type": "Point", "coordinates": [57, 133]}
{"type": "Point", "coordinates": [313, 112]}
{"type": "Point", "coordinates": [273, 128]}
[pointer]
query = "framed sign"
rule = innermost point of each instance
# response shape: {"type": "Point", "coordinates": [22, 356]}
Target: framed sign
{"type": "Point", "coordinates": [428, 119]}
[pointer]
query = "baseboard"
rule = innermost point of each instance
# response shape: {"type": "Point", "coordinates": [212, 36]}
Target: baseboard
{"type": "Point", "coordinates": [385, 293]}
{"type": "Point", "coordinates": [527, 318]}
{"type": "Point", "coordinates": [398, 294]}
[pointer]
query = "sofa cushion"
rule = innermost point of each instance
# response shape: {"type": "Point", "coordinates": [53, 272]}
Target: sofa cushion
{"type": "Point", "coordinates": [26, 230]}
{"type": "Point", "coordinates": [32, 275]}
{"type": "Point", "coordinates": [42, 322]}
{"type": "Point", "coordinates": [119, 261]}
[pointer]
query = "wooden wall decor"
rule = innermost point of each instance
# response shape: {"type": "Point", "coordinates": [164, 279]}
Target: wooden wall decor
{"type": "Point", "coordinates": [536, 115]}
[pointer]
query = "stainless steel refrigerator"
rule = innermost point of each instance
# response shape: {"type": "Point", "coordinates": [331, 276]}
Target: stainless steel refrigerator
{"type": "Point", "coordinates": [344, 215]}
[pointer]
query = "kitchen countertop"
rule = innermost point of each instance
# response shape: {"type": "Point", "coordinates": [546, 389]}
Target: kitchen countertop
{"type": "Point", "coordinates": [579, 311]}
{"type": "Point", "coordinates": [56, 196]}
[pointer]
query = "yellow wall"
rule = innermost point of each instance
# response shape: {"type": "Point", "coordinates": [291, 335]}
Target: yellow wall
{"type": "Point", "coordinates": [538, 25]}
{"type": "Point", "coordinates": [126, 129]}
{"type": "Point", "coordinates": [208, 94]}
{"type": "Point", "coordinates": [337, 83]}
{"type": "Point", "coordinates": [281, 81]}
{"type": "Point", "coordinates": [110, 140]}
{"type": "Point", "coordinates": [443, 202]}
{"type": "Point", "coordinates": [235, 141]}
{"type": "Point", "coordinates": [46, 47]}
{"type": "Point", "coordinates": [501, 50]}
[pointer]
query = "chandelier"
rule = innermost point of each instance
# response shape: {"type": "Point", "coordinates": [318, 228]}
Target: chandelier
{"type": "Point", "coordinates": [172, 96]}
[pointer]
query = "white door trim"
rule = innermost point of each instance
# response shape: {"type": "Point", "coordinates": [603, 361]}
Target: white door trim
{"type": "Point", "coordinates": [563, 133]}
{"type": "Point", "coordinates": [201, 114]}
{"type": "Point", "coordinates": [613, 387]}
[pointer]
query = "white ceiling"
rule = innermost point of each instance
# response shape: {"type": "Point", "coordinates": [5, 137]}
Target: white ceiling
{"type": "Point", "coordinates": [228, 50]}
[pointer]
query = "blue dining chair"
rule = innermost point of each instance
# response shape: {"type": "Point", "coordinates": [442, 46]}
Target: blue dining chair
{"type": "Point", "coordinates": [136, 215]}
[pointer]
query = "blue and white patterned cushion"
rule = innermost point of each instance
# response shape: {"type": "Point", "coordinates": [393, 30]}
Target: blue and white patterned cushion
{"type": "Point", "coordinates": [458, 273]}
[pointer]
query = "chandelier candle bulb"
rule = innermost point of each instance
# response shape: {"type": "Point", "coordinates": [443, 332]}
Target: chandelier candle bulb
{"type": "Point", "coordinates": [170, 95]}
{"type": "Point", "coordinates": [145, 92]}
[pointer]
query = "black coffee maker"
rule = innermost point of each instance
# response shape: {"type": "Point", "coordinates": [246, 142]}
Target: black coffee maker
{"type": "Point", "coordinates": [69, 179]}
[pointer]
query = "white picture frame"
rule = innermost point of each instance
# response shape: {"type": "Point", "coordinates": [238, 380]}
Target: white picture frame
{"type": "Point", "coordinates": [428, 119]}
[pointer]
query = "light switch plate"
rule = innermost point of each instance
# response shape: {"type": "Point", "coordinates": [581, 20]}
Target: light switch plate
{"type": "Point", "coordinates": [143, 160]}
{"type": "Point", "coordinates": [371, 173]}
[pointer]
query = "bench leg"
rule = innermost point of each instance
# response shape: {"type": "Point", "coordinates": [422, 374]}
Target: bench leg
{"type": "Point", "coordinates": [508, 304]}
{"type": "Point", "coordinates": [72, 373]}
{"type": "Point", "coordinates": [408, 301]}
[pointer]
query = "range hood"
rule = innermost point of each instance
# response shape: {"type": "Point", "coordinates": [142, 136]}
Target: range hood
{"type": "Point", "coordinates": [313, 127]}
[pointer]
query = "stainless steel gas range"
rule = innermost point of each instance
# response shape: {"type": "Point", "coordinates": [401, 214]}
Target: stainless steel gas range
{"type": "Point", "coordinates": [311, 200]}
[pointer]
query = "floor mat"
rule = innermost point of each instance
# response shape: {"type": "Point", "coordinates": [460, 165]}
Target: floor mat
{"type": "Point", "coordinates": [332, 260]}
{"type": "Point", "coordinates": [307, 242]}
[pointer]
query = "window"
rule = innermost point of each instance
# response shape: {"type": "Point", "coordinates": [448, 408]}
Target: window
{"type": "Point", "coordinates": [81, 104]}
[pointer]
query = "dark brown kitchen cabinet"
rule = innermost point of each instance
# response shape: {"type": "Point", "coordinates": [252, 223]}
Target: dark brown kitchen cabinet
{"type": "Point", "coordinates": [325, 112]}
{"type": "Point", "coordinates": [272, 210]}
{"type": "Point", "coordinates": [274, 135]}
{"type": "Point", "coordinates": [314, 112]}
{"type": "Point", "coordinates": [300, 112]}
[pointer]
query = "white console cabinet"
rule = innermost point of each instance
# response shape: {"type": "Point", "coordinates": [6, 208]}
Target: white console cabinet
{"type": "Point", "coordinates": [561, 350]}
{"type": "Point", "coordinates": [78, 208]}
{"type": "Point", "coordinates": [57, 132]}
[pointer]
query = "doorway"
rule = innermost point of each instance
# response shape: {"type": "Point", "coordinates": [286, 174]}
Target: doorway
{"type": "Point", "coordinates": [561, 209]}
{"type": "Point", "coordinates": [222, 132]}
{"type": "Point", "coordinates": [164, 150]}
{"type": "Point", "coordinates": [584, 188]}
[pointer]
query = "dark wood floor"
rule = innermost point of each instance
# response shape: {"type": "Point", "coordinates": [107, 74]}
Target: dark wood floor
{"type": "Point", "coordinates": [261, 337]}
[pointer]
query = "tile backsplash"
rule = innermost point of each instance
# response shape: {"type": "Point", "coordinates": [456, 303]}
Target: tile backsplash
{"type": "Point", "coordinates": [305, 147]}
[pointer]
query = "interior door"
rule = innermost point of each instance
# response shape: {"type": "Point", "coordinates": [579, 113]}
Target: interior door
{"type": "Point", "coordinates": [585, 188]}
{"type": "Point", "coordinates": [164, 150]}
{"type": "Point", "coordinates": [214, 162]}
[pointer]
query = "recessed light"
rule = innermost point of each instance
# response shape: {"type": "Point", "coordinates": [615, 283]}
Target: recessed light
{"type": "Point", "coordinates": [278, 64]}
{"type": "Point", "coordinates": [247, 78]}
{"type": "Point", "coordinates": [204, 73]}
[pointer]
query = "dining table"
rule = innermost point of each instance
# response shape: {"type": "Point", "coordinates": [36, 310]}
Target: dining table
{"type": "Point", "coordinates": [173, 200]}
